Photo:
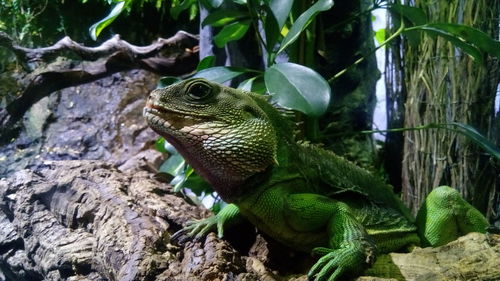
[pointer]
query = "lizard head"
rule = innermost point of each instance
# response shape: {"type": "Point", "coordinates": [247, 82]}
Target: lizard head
{"type": "Point", "coordinates": [220, 131]}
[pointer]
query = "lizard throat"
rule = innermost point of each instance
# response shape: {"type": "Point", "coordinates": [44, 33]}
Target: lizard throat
{"type": "Point", "coordinates": [226, 155]}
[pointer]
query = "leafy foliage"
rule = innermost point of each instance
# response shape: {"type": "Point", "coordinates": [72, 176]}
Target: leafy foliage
{"type": "Point", "coordinates": [117, 9]}
{"type": "Point", "coordinates": [295, 85]}
{"type": "Point", "coordinates": [273, 15]}
{"type": "Point", "coordinates": [303, 21]}
{"type": "Point", "coordinates": [176, 7]}
{"type": "Point", "coordinates": [298, 87]}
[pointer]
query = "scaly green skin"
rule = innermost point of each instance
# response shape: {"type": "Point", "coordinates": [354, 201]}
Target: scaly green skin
{"type": "Point", "coordinates": [303, 196]}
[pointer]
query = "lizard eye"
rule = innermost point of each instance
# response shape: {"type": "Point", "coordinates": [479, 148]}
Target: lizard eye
{"type": "Point", "coordinates": [199, 90]}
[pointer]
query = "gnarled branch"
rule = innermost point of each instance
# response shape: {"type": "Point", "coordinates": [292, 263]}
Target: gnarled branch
{"type": "Point", "coordinates": [111, 46]}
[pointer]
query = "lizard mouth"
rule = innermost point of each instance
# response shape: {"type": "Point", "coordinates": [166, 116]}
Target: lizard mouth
{"type": "Point", "coordinates": [164, 119]}
{"type": "Point", "coordinates": [151, 108]}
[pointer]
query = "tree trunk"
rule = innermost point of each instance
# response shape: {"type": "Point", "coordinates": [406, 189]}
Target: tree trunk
{"type": "Point", "coordinates": [344, 35]}
{"type": "Point", "coordinates": [444, 85]}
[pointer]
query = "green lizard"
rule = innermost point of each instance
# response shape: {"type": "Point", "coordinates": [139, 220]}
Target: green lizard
{"type": "Point", "coordinates": [303, 196]}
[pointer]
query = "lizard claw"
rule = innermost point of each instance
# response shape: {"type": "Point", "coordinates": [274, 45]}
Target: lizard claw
{"type": "Point", "coordinates": [337, 262]}
{"type": "Point", "coordinates": [197, 230]}
{"type": "Point", "coordinates": [180, 237]}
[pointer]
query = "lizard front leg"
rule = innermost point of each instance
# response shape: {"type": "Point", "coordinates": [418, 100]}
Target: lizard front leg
{"type": "Point", "coordinates": [349, 247]}
{"type": "Point", "coordinates": [229, 215]}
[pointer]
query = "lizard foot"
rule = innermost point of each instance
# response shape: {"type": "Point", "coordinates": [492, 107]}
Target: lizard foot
{"type": "Point", "coordinates": [198, 229]}
{"type": "Point", "coordinates": [336, 262]}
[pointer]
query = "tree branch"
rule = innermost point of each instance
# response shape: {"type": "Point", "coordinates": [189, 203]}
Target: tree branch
{"type": "Point", "coordinates": [113, 45]}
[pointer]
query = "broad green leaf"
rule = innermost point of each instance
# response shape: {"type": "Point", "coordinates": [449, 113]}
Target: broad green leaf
{"type": "Point", "coordinates": [380, 35]}
{"type": "Point", "coordinates": [170, 148]}
{"type": "Point", "coordinates": [298, 87]}
{"type": "Point", "coordinates": [411, 16]}
{"type": "Point", "coordinates": [467, 47]}
{"type": "Point", "coordinates": [255, 85]}
{"type": "Point", "coordinates": [174, 165]}
{"type": "Point", "coordinates": [187, 178]}
{"type": "Point", "coordinates": [271, 29]}
{"type": "Point", "coordinates": [167, 81]}
{"type": "Point", "coordinates": [231, 32]}
{"type": "Point", "coordinates": [258, 85]}
{"type": "Point", "coordinates": [178, 182]}
{"type": "Point", "coordinates": [477, 138]}
{"type": "Point", "coordinates": [223, 17]}
{"type": "Point", "coordinates": [281, 9]}
{"type": "Point", "coordinates": [97, 27]}
{"type": "Point", "coordinates": [303, 21]}
{"type": "Point", "coordinates": [414, 15]}
{"type": "Point", "coordinates": [206, 62]}
{"type": "Point", "coordinates": [247, 84]}
{"type": "Point", "coordinates": [470, 35]}
{"type": "Point", "coordinates": [221, 74]}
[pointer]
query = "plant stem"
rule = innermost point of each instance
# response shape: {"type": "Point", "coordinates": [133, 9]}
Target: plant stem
{"type": "Point", "coordinates": [400, 30]}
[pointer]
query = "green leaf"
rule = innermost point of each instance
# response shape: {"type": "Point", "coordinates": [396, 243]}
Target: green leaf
{"type": "Point", "coordinates": [247, 84]}
{"type": "Point", "coordinates": [472, 36]}
{"type": "Point", "coordinates": [411, 16]}
{"type": "Point", "coordinates": [170, 148]}
{"type": "Point", "coordinates": [193, 12]}
{"type": "Point", "coordinates": [477, 138]}
{"type": "Point", "coordinates": [258, 85]}
{"type": "Point", "coordinates": [231, 32]}
{"type": "Point", "coordinates": [206, 62]}
{"type": "Point", "coordinates": [196, 183]}
{"type": "Point", "coordinates": [380, 35]}
{"type": "Point", "coordinates": [467, 47]}
{"type": "Point", "coordinates": [255, 85]}
{"type": "Point", "coordinates": [177, 7]}
{"type": "Point", "coordinates": [281, 10]}
{"type": "Point", "coordinates": [160, 145]}
{"type": "Point", "coordinates": [223, 17]}
{"type": "Point", "coordinates": [298, 87]}
{"type": "Point", "coordinates": [271, 29]}
{"type": "Point", "coordinates": [414, 15]}
{"type": "Point", "coordinates": [464, 129]}
{"type": "Point", "coordinates": [97, 27]}
{"type": "Point", "coordinates": [303, 21]}
{"type": "Point", "coordinates": [167, 81]}
{"type": "Point", "coordinates": [221, 74]}
{"type": "Point", "coordinates": [174, 165]}
{"type": "Point", "coordinates": [214, 3]}
{"type": "Point", "coordinates": [240, 2]}
{"type": "Point", "coordinates": [178, 182]}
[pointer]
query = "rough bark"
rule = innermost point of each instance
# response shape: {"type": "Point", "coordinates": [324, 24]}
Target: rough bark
{"type": "Point", "coordinates": [87, 220]}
